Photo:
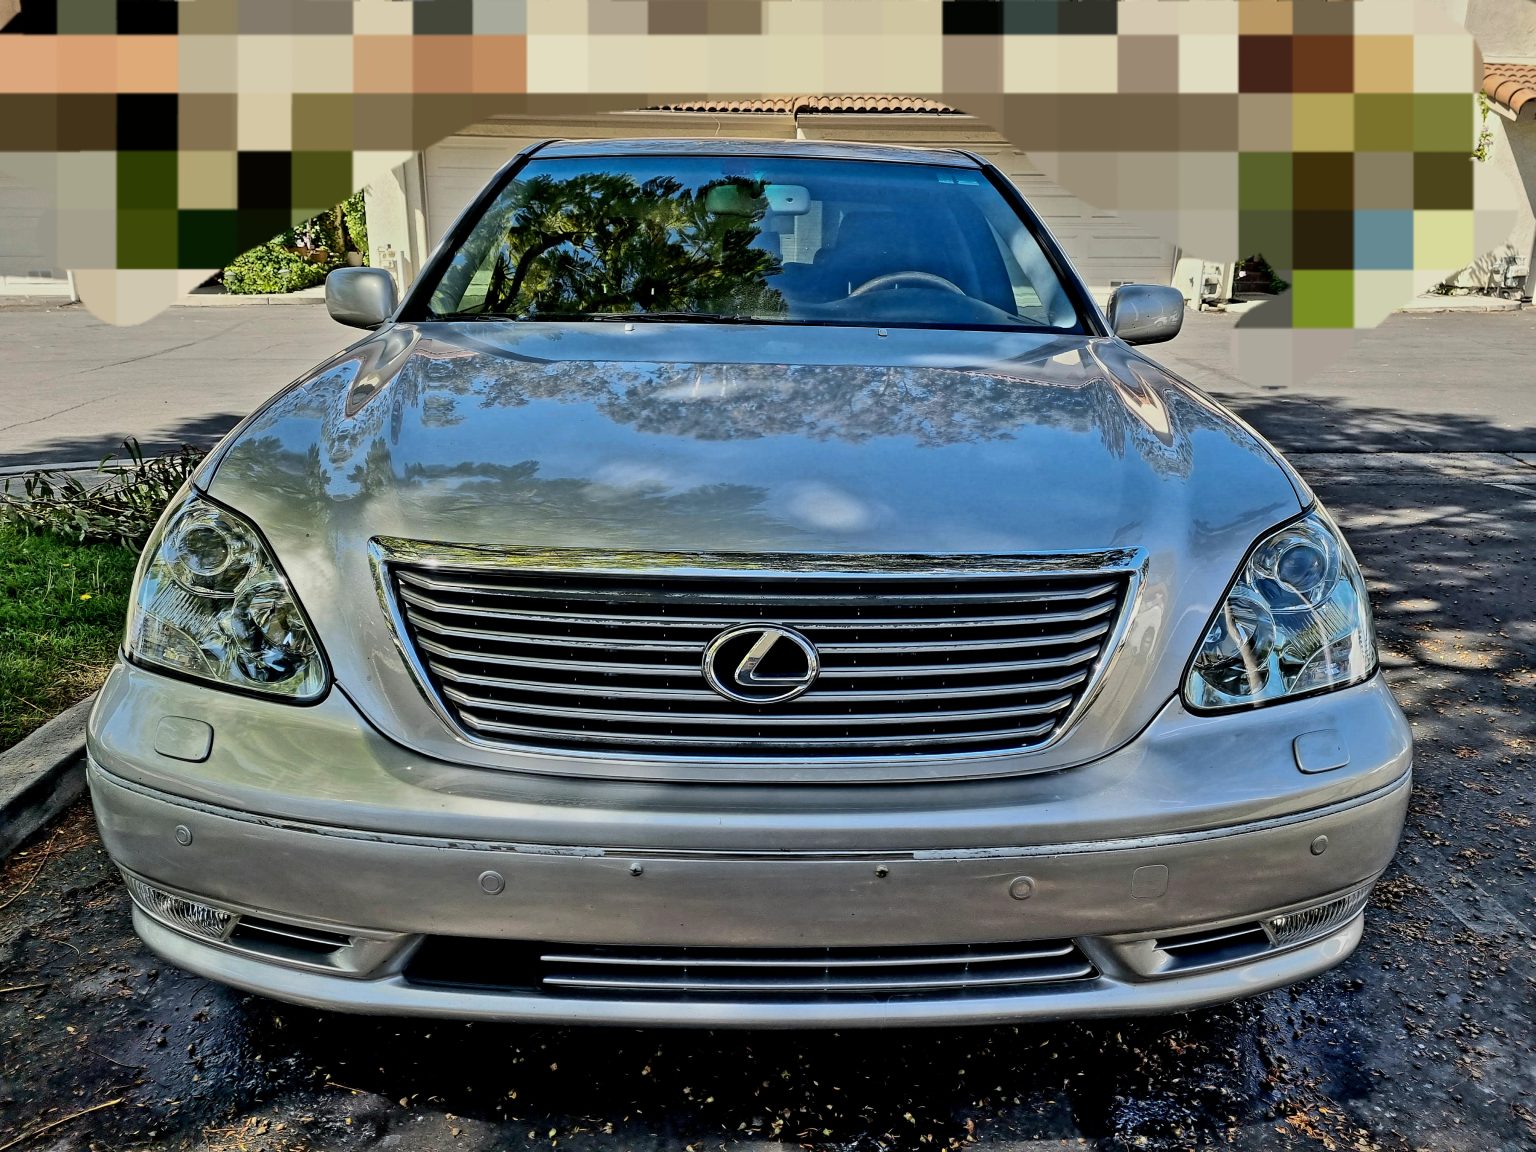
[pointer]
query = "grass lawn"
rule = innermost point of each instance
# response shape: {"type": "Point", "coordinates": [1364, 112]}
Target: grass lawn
{"type": "Point", "coordinates": [62, 610]}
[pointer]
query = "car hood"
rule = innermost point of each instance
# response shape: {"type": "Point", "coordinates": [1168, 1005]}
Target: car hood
{"type": "Point", "coordinates": [762, 438]}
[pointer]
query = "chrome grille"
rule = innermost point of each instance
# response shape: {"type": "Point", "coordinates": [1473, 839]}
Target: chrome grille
{"type": "Point", "coordinates": [590, 970]}
{"type": "Point", "coordinates": [598, 660]}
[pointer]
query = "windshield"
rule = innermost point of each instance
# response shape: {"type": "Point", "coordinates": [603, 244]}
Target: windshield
{"type": "Point", "coordinates": [753, 239]}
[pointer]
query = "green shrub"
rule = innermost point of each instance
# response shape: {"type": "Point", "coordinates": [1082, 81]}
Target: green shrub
{"type": "Point", "coordinates": [273, 268]}
{"type": "Point", "coordinates": [299, 258]}
{"type": "Point", "coordinates": [356, 217]}
{"type": "Point", "coordinates": [118, 507]}
{"type": "Point", "coordinates": [324, 232]}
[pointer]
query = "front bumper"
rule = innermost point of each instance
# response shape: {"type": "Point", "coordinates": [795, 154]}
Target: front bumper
{"type": "Point", "coordinates": [306, 822]}
{"type": "Point", "coordinates": [1118, 903]}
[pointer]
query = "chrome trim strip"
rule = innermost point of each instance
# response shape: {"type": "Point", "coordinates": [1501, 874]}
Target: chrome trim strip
{"type": "Point", "coordinates": [1178, 943]}
{"type": "Point", "coordinates": [273, 930]}
{"type": "Point", "coordinates": [835, 565]}
{"type": "Point", "coordinates": [830, 987]}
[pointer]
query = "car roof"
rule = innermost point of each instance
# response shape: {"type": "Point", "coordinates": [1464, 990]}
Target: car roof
{"type": "Point", "coordinates": [727, 146]}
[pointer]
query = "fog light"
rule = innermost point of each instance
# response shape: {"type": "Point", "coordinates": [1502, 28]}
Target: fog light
{"type": "Point", "coordinates": [178, 912]}
{"type": "Point", "coordinates": [1319, 920]}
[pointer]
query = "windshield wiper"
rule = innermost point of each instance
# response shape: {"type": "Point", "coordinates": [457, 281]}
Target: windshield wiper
{"type": "Point", "coordinates": [455, 317]}
{"type": "Point", "coordinates": [652, 318]}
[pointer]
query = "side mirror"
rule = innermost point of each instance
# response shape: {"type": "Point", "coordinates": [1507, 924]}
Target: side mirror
{"type": "Point", "coordinates": [360, 297]}
{"type": "Point", "coordinates": [1146, 313]}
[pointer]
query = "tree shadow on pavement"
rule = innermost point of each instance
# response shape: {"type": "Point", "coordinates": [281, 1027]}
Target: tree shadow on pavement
{"type": "Point", "coordinates": [201, 432]}
{"type": "Point", "coordinates": [1296, 422]}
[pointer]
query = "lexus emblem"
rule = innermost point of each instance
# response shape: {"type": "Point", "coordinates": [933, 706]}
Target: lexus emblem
{"type": "Point", "coordinates": [761, 664]}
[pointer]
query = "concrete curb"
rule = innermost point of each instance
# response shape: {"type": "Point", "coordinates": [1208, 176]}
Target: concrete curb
{"type": "Point", "coordinates": [229, 300]}
{"type": "Point", "coordinates": [35, 303]}
{"type": "Point", "coordinates": [1433, 305]}
{"type": "Point", "coordinates": [42, 776]}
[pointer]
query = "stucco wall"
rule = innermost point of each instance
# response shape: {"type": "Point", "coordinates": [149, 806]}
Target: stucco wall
{"type": "Point", "coordinates": [1504, 29]}
{"type": "Point", "coordinates": [397, 223]}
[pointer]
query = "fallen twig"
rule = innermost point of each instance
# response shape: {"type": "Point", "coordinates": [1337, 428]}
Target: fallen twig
{"type": "Point", "coordinates": [119, 1063]}
{"type": "Point", "coordinates": [52, 1124]}
{"type": "Point", "coordinates": [21, 988]}
{"type": "Point", "coordinates": [36, 872]}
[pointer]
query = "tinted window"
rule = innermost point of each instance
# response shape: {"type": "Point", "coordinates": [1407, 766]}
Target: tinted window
{"type": "Point", "coordinates": [753, 238]}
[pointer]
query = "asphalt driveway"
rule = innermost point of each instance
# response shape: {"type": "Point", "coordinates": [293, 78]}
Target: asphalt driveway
{"type": "Point", "coordinates": [74, 386]}
{"type": "Point", "coordinates": [1424, 1039]}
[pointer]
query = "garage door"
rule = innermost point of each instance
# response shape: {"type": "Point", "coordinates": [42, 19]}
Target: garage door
{"type": "Point", "coordinates": [25, 221]}
{"type": "Point", "coordinates": [1106, 249]}
{"type": "Point", "coordinates": [456, 171]}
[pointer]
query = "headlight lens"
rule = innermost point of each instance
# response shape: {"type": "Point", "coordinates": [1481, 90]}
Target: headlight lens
{"type": "Point", "coordinates": [1297, 621]}
{"type": "Point", "coordinates": [211, 602]}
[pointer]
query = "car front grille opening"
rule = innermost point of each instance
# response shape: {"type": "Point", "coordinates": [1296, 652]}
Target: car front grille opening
{"type": "Point", "coordinates": [1215, 946]}
{"type": "Point", "coordinates": [286, 941]}
{"type": "Point", "coordinates": [590, 971]}
{"type": "Point", "coordinates": [596, 662]}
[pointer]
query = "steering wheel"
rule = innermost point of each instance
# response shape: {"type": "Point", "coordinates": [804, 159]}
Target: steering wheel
{"type": "Point", "coordinates": [892, 279]}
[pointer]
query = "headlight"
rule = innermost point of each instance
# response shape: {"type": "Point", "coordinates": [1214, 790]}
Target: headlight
{"type": "Point", "coordinates": [211, 602]}
{"type": "Point", "coordinates": [1297, 621]}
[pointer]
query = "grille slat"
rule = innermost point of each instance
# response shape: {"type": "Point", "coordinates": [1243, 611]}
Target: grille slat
{"type": "Point", "coordinates": [1082, 655]}
{"type": "Point", "coordinates": [610, 661]}
{"type": "Point", "coordinates": [579, 619]}
{"type": "Point", "coordinates": [724, 716]}
{"type": "Point", "coordinates": [661, 594]}
{"type": "Point", "coordinates": [991, 644]}
{"type": "Point", "coordinates": [606, 667]}
{"type": "Point", "coordinates": [670, 693]}
{"type": "Point", "coordinates": [576, 737]}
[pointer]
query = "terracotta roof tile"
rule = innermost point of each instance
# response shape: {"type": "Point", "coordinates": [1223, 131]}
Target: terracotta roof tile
{"type": "Point", "coordinates": [792, 105]}
{"type": "Point", "coordinates": [1512, 86]}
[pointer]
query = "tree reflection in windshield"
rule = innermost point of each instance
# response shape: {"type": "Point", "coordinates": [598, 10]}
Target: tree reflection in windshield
{"type": "Point", "coordinates": [601, 242]}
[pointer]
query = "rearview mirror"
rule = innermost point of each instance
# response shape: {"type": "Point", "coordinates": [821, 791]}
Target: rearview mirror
{"type": "Point", "coordinates": [1146, 313]}
{"type": "Point", "coordinates": [360, 297]}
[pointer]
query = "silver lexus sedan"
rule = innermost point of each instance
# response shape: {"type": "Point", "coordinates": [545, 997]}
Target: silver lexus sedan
{"type": "Point", "coordinates": [748, 583]}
